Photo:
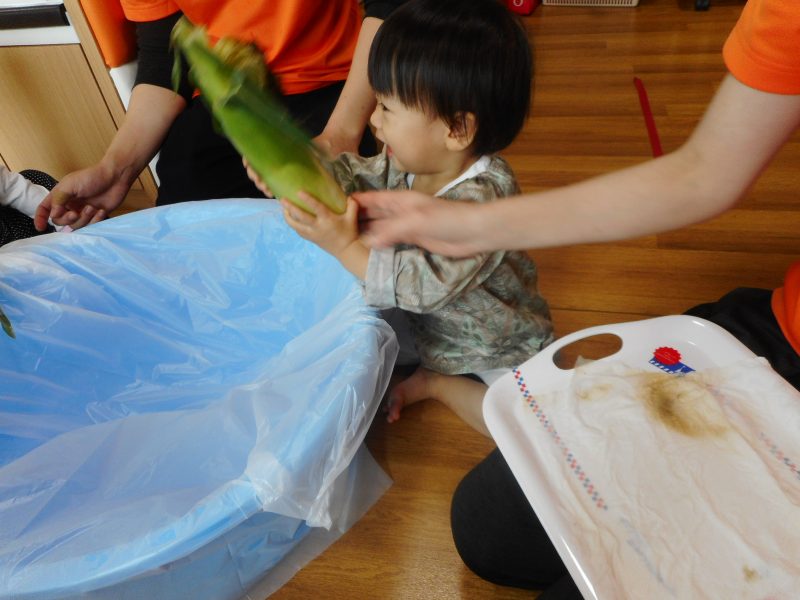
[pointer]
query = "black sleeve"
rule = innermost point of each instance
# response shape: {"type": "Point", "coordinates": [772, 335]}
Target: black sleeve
{"type": "Point", "coordinates": [156, 55]}
{"type": "Point", "coordinates": [380, 9]}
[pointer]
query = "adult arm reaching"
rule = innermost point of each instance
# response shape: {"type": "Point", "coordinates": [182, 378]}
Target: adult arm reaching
{"type": "Point", "coordinates": [207, 169]}
{"type": "Point", "coordinates": [345, 127]}
{"type": "Point", "coordinates": [741, 131]}
{"type": "Point", "coordinates": [89, 195]}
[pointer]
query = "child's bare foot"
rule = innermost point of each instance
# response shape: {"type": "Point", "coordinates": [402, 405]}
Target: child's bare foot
{"type": "Point", "coordinates": [418, 386]}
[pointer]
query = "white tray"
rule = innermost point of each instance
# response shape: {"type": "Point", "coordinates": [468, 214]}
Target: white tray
{"type": "Point", "coordinates": [700, 345]}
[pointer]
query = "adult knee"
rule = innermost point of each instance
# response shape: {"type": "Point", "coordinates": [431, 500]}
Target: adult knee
{"type": "Point", "coordinates": [496, 531]}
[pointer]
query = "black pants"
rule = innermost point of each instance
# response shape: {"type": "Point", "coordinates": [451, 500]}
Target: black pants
{"type": "Point", "coordinates": [747, 314]}
{"type": "Point", "coordinates": [494, 527]}
{"type": "Point", "coordinates": [499, 537]}
{"type": "Point", "coordinates": [197, 163]}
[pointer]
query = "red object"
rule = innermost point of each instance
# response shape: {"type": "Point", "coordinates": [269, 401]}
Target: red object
{"type": "Point", "coordinates": [649, 121]}
{"type": "Point", "coordinates": [522, 7]}
{"type": "Point", "coordinates": [667, 356]}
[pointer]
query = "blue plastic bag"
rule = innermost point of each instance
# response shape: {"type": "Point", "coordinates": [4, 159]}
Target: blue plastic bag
{"type": "Point", "coordinates": [179, 375]}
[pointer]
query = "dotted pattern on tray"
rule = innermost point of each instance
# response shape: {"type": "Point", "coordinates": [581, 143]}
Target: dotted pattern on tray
{"type": "Point", "coordinates": [679, 368]}
{"type": "Point", "coordinates": [778, 453]}
{"type": "Point", "coordinates": [572, 461]}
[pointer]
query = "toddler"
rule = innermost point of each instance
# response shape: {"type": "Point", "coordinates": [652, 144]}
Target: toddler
{"type": "Point", "coordinates": [452, 80]}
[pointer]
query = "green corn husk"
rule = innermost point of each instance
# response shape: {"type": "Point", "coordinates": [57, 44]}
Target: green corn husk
{"type": "Point", "coordinates": [232, 79]}
{"type": "Point", "coordinates": [6, 324]}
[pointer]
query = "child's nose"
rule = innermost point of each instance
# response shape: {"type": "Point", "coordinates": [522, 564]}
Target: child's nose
{"type": "Point", "coordinates": [375, 118]}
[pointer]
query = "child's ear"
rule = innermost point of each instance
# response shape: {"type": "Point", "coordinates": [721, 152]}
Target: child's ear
{"type": "Point", "coordinates": [462, 133]}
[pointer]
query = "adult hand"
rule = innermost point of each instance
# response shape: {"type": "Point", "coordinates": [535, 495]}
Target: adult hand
{"type": "Point", "coordinates": [82, 197]}
{"type": "Point", "coordinates": [443, 227]}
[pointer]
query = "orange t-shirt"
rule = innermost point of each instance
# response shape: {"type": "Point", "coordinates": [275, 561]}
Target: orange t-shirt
{"type": "Point", "coordinates": [786, 306]}
{"type": "Point", "coordinates": [763, 52]}
{"type": "Point", "coordinates": [306, 45]}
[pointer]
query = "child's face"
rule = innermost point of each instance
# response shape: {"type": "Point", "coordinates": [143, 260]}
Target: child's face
{"type": "Point", "coordinates": [414, 141]}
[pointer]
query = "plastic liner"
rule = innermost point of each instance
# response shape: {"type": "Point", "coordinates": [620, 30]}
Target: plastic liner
{"type": "Point", "coordinates": [182, 403]}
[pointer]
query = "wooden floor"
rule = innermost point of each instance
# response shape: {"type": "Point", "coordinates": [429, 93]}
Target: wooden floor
{"type": "Point", "coordinates": [586, 120]}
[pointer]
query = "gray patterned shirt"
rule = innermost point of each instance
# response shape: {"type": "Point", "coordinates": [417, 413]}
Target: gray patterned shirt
{"type": "Point", "coordinates": [466, 314]}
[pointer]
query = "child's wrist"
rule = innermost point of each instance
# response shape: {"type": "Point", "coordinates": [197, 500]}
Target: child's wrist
{"type": "Point", "coordinates": [349, 251]}
{"type": "Point", "coordinates": [354, 257]}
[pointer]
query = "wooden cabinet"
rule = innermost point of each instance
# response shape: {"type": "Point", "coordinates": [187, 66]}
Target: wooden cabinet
{"type": "Point", "coordinates": [59, 109]}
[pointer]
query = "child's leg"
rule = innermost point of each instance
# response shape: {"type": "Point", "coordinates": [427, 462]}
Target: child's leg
{"type": "Point", "coordinates": [464, 396]}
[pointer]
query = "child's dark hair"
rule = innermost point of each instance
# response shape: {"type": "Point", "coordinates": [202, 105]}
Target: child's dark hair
{"type": "Point", "coordinates": [451, 57]}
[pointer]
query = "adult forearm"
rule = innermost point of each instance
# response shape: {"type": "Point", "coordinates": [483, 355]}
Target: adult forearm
{"type": "Point", "coordinates": [737, 138]}
{"type": "Point", "coordinates": [357, 101]}
{"type": "Point", "coordinates": [658, 195]}
{"type": "Point", "coordinates": [151, 112]}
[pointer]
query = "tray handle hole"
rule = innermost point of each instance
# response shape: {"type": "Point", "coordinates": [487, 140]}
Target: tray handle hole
{"type": "Point", "coordinates": [589, 348]}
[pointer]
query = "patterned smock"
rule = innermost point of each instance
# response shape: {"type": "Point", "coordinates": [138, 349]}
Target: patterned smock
{"type": "Point", "coordinates": [466, 314]}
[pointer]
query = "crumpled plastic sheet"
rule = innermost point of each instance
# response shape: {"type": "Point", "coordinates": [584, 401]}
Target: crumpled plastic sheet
{"type": "Point", "coordinates": [185, 395]}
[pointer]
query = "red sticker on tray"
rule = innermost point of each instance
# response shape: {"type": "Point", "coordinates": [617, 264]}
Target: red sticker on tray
{"type": "Point", "coordinates": [667, 356]}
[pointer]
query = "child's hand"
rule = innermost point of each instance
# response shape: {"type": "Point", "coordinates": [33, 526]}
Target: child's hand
{"type": "Point", "coordinates": [256, 179]}
{"type": "Point", "coordinates": [331, 232]}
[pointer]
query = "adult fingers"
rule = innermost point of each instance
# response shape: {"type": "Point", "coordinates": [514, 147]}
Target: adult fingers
{"type": "Point", "coordinates": [100, 215]}
{"type": "Point", "coordinates": [374, 204]}
{"type": "Point", "coordinates": [83, 218]}
{"type": "Point", "coordinates": [52, 207]}
{"type": "Point", "coordinates": [376, 234]}
{"type": "Point", "coordinates": [42, 214]}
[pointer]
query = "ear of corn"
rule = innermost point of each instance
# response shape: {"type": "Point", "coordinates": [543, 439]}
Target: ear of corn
{"type": "Point", "coordinates": [6, 324]}
{"type": "Point", "coordinates": [232, 79]}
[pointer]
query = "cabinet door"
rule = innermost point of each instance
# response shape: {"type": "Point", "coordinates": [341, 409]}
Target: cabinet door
{"type": "Point", "coordinates": [52, 115]}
